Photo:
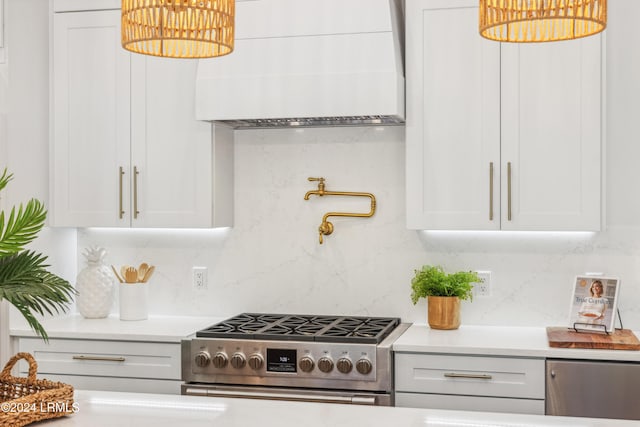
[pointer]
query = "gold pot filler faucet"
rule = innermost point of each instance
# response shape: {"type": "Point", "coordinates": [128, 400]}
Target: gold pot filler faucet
{"type": "Point", "coordinates": [326, 227]}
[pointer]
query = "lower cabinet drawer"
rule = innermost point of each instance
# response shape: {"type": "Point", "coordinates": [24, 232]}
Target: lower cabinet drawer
{"type": "Point", "coordinates": [470, 375]}
{"type": "Point", "coordinates": [103, 358]}
{"type": "Point", "coordinates": [470, 403]}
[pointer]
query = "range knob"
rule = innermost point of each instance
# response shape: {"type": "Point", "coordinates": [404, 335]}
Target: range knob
{"type": "Point", "coordinates": [202, 359]}
{"type": "Point", "coordinates": [344, 365]}
{"type": "Point", "coordinates": [256, 361]}
{"type": "Point", "coordinates": [238, 360]}
{"type": "Point", "coordinates": [306, 364]}
{"type": "Point", "coordinates": [325, 364]}
{"type": "Point", "coordinates": [364, 366]}
{"type": "Point", "coordinates": [220, 360]}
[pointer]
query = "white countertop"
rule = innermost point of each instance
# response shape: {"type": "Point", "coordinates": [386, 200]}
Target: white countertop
{"type": "Point", "coordinates": [498, 341]}
{"type": "Point", "coordinates": [419, 338]}
{"type": "Point", "coordinates": [155, 329]}
{"type": "Point", "coordinates": [108, 409]}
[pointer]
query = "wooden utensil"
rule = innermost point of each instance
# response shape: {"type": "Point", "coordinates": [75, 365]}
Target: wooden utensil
{"type": "Point", "coordinates": [142, 270]}
{"type": "Point", "coordinates": [123, 271]}
{"type": "Point", "coordinates": [117, 275]}
{"type": "Point", "coordinates": [148, 273]}
{"type": "Point", "coordinates": [131, 275]}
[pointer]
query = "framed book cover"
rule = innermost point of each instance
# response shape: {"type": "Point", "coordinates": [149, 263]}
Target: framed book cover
{"type": "Point", "coordinates": [594, 302]}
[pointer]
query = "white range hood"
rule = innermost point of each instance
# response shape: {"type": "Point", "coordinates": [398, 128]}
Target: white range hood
{"type": "Point", "coordinates": [308, 63]}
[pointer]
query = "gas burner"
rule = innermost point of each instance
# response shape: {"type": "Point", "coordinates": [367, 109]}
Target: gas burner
{"type": "Point", "coordinates": [345, 329]}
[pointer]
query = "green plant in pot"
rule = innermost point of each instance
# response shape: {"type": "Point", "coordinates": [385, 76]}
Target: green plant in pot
{"type": "Point", "coordinates": [444, 292]}
{"type": "Point", "coordinates": [24, 279]}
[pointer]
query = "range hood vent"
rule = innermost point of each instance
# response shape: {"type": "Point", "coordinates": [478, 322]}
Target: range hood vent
{"type": "Point", "coordinates": [314, 122]}
{"type": "Point", "coordinates": [308, 63]}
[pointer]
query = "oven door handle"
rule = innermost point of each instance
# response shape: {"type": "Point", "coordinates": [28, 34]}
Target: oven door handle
{"type": "Point", "coordinates": [356, 400]}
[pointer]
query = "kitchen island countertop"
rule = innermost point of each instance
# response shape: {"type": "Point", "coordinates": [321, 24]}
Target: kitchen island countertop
{"type": "Point", "coordinates": [508, 341]}
{"type": "Point", "coordinates": [108, 409]}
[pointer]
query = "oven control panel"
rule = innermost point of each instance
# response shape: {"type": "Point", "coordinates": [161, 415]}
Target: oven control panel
{"type": "Point", "coordinates": [281, 359]}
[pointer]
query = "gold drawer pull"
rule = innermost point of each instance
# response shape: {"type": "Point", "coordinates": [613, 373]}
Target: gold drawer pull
{"type": "Point", "coordinates": [475, 376]}
{"type": "Point", "coordinates": [490, 191]}
{"type": "Point", "coordinates": [120, 210]}
{"type": "Point", "coordinates": [508, 191]}
{"type": "Point", "coordinates": [136, 212]}
{"type": "Point", "coordinates": [101, 358]}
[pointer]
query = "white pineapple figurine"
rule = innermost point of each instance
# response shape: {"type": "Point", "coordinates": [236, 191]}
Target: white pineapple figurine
{"type": "Point", "coordinates": [95, 285]}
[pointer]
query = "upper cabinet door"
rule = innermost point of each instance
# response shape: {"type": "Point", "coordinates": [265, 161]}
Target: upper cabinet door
{"type": "Point", "coordinates": [126, 148]}
{"type": "Point", "coordinates": [171, 151]}
{"type": "Point", "coordinates": [453, 118]}
{"type": "Point", "coordinates": [499, 135]}
{"type": "Point", "coordinates": [551, 135]}
{"type": "Point", "coordinates": [90, 121]}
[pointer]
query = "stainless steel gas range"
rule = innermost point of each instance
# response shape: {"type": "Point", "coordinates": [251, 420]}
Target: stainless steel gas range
{"type": "Point", "coordinates": [340, 359]}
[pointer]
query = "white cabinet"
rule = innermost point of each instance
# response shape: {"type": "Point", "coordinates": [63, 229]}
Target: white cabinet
{"type": "Point", "coordinates": [499, 136]}
{"type": "Point", "coordinates": [473, 383]}
{"type": "Point", "coordinates": [126, 149]}
{"type": "Point", "coordinates": [2, 43]}
{"type": "Point", "coordinates": [107, 365]}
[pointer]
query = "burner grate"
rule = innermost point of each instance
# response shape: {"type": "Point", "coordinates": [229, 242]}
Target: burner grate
{"type": "Point", "coordinates": [345, 329]}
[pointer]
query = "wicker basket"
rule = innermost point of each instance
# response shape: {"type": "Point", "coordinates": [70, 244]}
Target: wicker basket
{"type": "Point", "coordinates": [27, 400]}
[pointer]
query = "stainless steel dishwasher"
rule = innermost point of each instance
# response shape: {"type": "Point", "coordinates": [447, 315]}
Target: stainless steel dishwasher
{"type": "Point", "coordinates": [595, 389]}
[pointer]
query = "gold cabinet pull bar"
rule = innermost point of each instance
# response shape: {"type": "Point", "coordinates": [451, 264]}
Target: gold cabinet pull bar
{"type": "Point", "coordinates": [100, 358]}
{"type": "Point", "coordinates": [474, 376]}
{"type": "Point", "coordinates": [508, 191]}
{"type": "Point", "coordinates": [120, 176]}
{"type": "Point", "coordinates": [490, 191]}
{"type": "Point", "coordinates": [135, 192]}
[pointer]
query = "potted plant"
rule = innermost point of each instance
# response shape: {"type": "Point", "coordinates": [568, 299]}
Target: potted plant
{"type": "Point", "coordinates": [24, 280]}
{"type": "Point", "coordinates": [443, 292]}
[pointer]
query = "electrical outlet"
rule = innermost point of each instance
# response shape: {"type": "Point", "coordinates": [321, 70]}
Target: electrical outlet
{"type": "Point", "coordinates": [200, 278]}
{"type": "Point", "coordinates": [483, 289]}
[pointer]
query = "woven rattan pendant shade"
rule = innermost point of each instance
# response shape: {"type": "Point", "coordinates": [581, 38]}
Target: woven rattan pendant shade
{"type": "Point", "coordinates": [178, 28]}
{"type": "Point", "coordinates": [541, 20]}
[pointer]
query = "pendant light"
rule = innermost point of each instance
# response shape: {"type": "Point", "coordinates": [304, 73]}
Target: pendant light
{"type": "Point", "coordinates": [178, 28]}
{"type": "Point", "coordinates": [541, 20]}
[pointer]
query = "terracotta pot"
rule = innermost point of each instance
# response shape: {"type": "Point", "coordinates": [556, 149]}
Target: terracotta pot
{"type": "Point", "coordinates": [443, 312]}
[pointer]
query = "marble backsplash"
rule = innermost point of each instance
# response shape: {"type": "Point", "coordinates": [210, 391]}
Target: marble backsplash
{"type": "Point", "coordinates": [271, 261]}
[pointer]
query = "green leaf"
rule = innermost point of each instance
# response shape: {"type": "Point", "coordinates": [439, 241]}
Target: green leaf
{"type": "Point", "coordinates": [22, 227]}
{"type": "Point", "coordinates": [24, 279]}
{"type": "Point", "coordinates": [4, 179]}
{"type": "Point", "coordinates": [33, 322]}
{"type": "Point", "coordinates": [26, 284]}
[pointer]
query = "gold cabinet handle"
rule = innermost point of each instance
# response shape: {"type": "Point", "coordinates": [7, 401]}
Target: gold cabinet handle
{"type": "Point", "coordinates": [100, 358]}
{"type": "Point", "coordinates": [474, 376]}
{"type": "Point", "coordinates": [120, 177]}
{"type": "Point", "coordinates": [508, 191]}
{"type": "Point", "coordinates": [135, 192]}
{"type": "Point", "coordinates": [490, 191]}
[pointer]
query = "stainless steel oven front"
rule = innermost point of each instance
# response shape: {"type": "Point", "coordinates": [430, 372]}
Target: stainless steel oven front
{"type": "Point", "coordinates": [290, 394]}
{"type": "Point", "coordinates": [310, 358]}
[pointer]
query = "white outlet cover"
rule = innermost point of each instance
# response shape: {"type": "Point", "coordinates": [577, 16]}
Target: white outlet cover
{"type": "Point", "coordinates": [199, 278]}
{"type": "Point", "coordinates": [483, 289]}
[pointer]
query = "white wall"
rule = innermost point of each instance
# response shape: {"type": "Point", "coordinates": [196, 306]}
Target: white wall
{"type": "Point", "coordinates": [24, 129]}
{"type": "Point", "coordinates": [271, 260]}
{"type": "Point", "coordinates": [4, 87]}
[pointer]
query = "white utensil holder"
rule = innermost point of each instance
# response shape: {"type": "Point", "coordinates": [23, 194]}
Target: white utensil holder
{"type": "Point", "coordinates": [133, 301]}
